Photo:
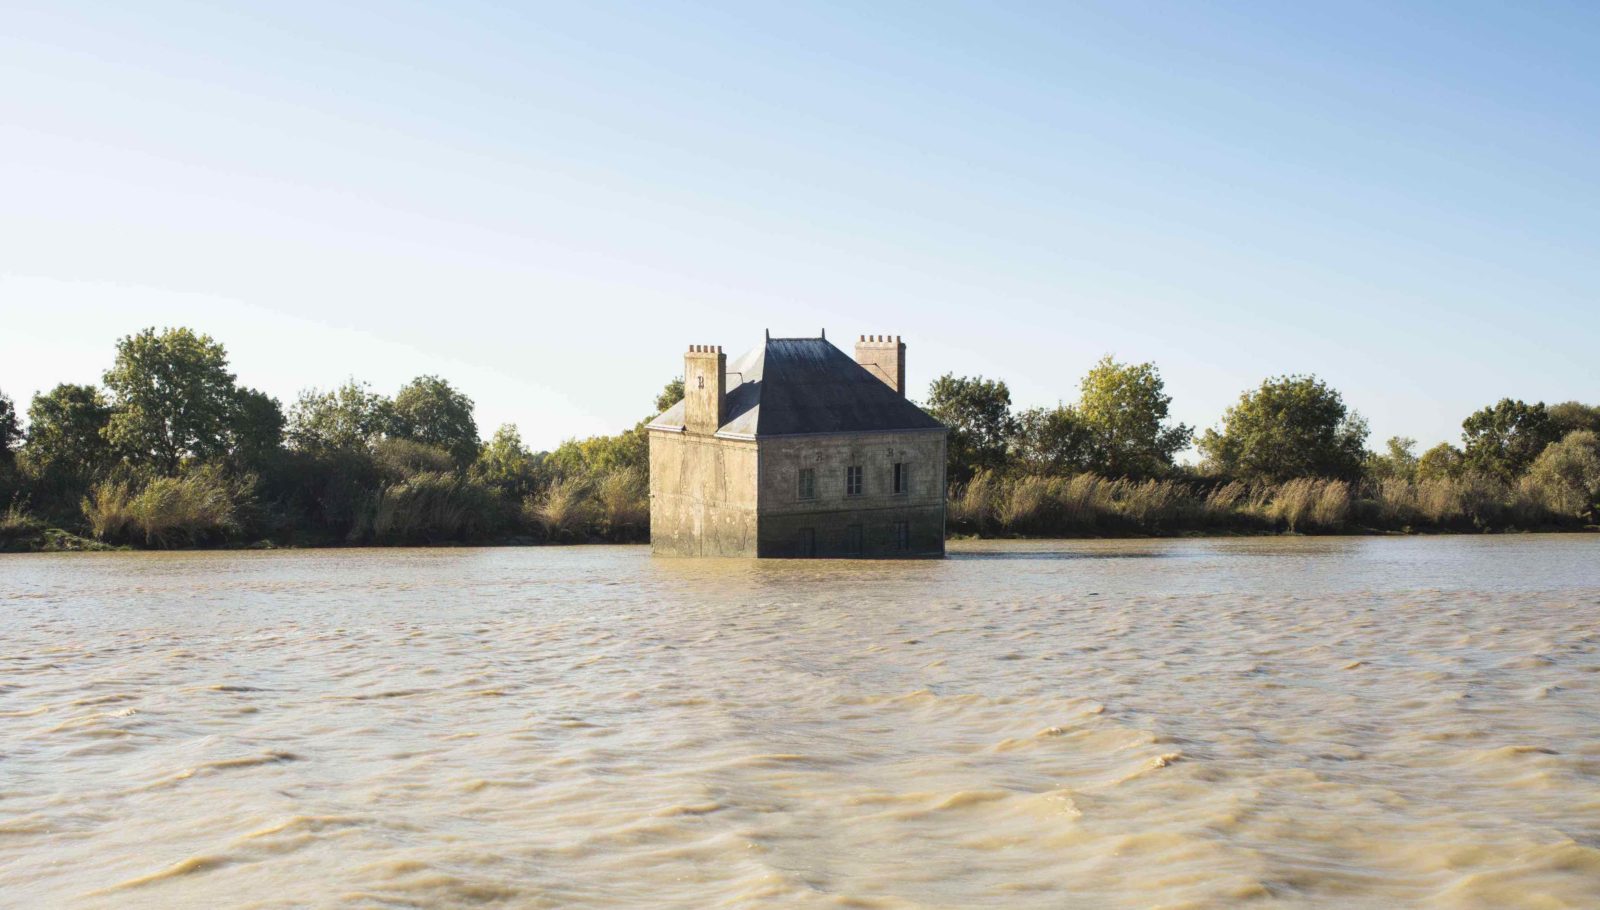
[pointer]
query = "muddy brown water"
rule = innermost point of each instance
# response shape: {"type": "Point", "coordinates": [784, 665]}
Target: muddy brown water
{"type": "Point", "coordinates": [1279, 722]}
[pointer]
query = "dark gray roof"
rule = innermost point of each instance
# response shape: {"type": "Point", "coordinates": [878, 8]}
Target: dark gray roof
{"type": "Point", "coordinates": [790, 386]}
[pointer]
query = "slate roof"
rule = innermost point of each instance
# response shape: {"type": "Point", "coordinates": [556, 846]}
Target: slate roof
{"type": "Point", "coordinates": [790, 386]}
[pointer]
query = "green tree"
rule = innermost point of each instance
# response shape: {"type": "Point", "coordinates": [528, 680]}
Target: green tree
{"type": "Point", "coordinates": [507, 464]}
{"type": "Point", "coordinates": [1053, 441]}
{"type": "Point", "coordinates": [10, 434]}
{"type": "Point", "coordinates": [66, 446]}
{"type": "Point", "coordinates": [978, 413]}
{"type": "Point", "coordinates": [1567, 474]}
{"type": "Point", "coordinates": [255, 429]}
{"type": "Point", "coordinates": [1124, 407]}
{"type": "Point", "coordinates": [1292, 426]}
{"type": "Point", "coordinates": [429, 410]}
{"type": "Point", "coordinates": [10, 431]}
{"type": "Point", "coordinates": [671, 395]}
{"type": "Point", "coordinates": [590, 458]}
{"type": "Point", "coordinates": [342, 419]}
{"type": "Point", "coordinates": [1398, 461]}
{"type": "Point", "coordinates": [1503, 440]}
{"type": "Point", "coordinates": [1570, 416]}
{"type": "Point", "coordinates": [174, 398]}
{"type": "Point", "coordinates": [1442, 462]}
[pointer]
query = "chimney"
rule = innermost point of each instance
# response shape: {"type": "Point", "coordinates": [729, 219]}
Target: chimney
{"type": "Point", "coordinates": [705, 388]}
{"type": "Point", "coordinates": [884, 356]}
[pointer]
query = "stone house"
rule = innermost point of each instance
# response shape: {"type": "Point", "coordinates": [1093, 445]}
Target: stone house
{"type": "Point", "coordinates": [794, 450]}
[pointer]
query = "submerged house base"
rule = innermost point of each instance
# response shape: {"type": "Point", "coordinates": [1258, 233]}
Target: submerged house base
{"type": "Point", "coordinates": [797, 450]}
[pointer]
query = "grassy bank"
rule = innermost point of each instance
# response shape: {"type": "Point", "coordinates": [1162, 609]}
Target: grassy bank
{"type": "Point", "coordinates": [1087, 505]}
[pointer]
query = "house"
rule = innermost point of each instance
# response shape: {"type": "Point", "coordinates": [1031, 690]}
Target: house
{"type": "Point", "coordinates": [796, 449]}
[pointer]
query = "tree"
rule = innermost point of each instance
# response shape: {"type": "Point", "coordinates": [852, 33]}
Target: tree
{"type": "Point", "coordinates": [174, 398]}
{"type": "Point", "coordinates": [1124, 408]}
{"type": "Point", "coordinates": [255, 428]}
{"type": "Point", "coordinates": [978, 413]}
{"type": "Point", "coordinates": [349, 417]}
{"type": "Point", "coordinates": [1503, 440]}
{"type": "Point", "coordinates": [671, 395]}
{"type": "Point", "coordinates": [1442, 462]}
{"type": "Point", "coordinates": [1292, 426]}
{"type": "Point", "coordinates": [1567, 473]}
{"type": "Point", "coordinates": [507, 463]}
{"type": "Point", "coordinates": [10, 434]}
{"type": "Point", "coordinates": [66, 447]}
{"type": "Point", "coordinates": [10, 431]}
{"type": "Point", "coordinates": [429, 410]}
{"type": "Point", "coordinates": [1053, 440]}
{"type": "Point", "coordinates": [1569, 416]}
{"type": "Point", "coordinates": [1398, 462]}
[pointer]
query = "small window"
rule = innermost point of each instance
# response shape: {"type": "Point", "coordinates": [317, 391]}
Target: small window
{"type": "Point", "coordinates": [902, 477]}
{"type": "Point", "coordinates": [852, 480]}
{"type": "Point", "coordinates": [902, 535]}
{"type": "Point", "coordinates": [852, 540]}
{"type": "Point", "coordinates": [807, 486]}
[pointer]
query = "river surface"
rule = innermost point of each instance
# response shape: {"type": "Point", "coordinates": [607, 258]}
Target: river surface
{"type": "Point", "coordinates": [1345, 722]}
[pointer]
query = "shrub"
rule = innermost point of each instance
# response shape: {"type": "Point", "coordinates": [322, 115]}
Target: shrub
{"type": "Point", "coordinates": [624, 503]}
{"type": "Point", "coordinates": [560, 511]}
{"type": "Point", "coordinates": [197, 507]}
{"type": "Point", "coordinates": [432, 506]}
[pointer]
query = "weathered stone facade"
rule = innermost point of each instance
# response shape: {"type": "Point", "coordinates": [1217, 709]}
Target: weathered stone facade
{"type": "Point", "coordinates": [813, 454]}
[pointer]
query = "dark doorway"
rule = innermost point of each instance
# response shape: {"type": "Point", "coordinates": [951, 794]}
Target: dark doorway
{"type": "Point", "coordinates": [807, 543]}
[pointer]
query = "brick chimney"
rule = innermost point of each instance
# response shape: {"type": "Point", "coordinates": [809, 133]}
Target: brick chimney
{"type": "Point", "coordinates": [705, 388]}
{"type": "Point", "coordinates": [884, 356]}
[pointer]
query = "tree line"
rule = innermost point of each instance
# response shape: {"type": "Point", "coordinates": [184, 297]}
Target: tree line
{"type": "Point", "coordinates": [170, 450]}
{"type": "Point", "coordinates": [1288, 455]}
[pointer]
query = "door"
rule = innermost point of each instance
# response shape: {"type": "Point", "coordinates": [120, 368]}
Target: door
{"type": "Point", "coordinates": [807, 544]}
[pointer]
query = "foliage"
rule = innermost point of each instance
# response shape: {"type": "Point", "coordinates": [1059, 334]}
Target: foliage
{"type": "Point", "coordinates": [1292, 426]}
{"type": "Point", "coordinates": [398, 459]}
{"type": "Point", "coordinates": [1503, 440]}
{"type": "Point", "coordinates": [1398, 461]}
{"type": "Point", "coordinates": [173, 398]}
{"type": "Point", "coordinates": [429, 410]}
{"type": "Point", "coordinates": [1566, 474]}
{"type": "Point", "coordinates": [508, 465]}
{"type": "Point", "coordinates": [201, 506]}
{"type": "Point", "coordinates": [10, 429]}
{"type": "Point", "coordinates": [1569, 416]}
{"type": "Point", "coordinates": [589, 458]}
{"type": "Point", "coordinates": [66, 448]}
{"type": "Point", "coordinates": [978, 414]}
{"type": "Point", "coordinates": [1052, 440]}
{"type": "Point", "coordinates": [561, 510]}
{"type": "Point", "coordinates": [1124, 409]}
{"type": "Point", "coordinates": [255, 429]}
{"type": "Point", "coordinates": [1443, 461]}
{"type": "Point", "coordinates": [348, 417]}
{"type": "Point", "coordinates": [432, 506]}
{"type": "Point", "coordinates": [671, 395]}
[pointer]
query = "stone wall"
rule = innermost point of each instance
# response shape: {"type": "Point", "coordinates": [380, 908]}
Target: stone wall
{"type": "Point", "coordinates": [830, 517]}
{"type": "Point", "coordinates": [702, 495]}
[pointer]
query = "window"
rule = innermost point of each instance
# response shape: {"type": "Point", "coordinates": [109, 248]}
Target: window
{"type": "Point", "coordinates": [902, 477]}
{"type": "Point", "coordinates": [902, 535]}
{"type": "Point", "coordinates": [852, 480]}
{"type": "Point", "coordinates": [852, 540]}
{"type": "Point", "coordinates": [807, 487]}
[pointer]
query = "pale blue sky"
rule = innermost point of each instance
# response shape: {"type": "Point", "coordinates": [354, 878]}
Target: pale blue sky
{"type": "Point", "coordinates": [547, 203]}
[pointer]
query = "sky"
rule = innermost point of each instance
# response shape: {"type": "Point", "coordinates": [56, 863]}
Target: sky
{"type": "Point", "coordinates": [548, 203]}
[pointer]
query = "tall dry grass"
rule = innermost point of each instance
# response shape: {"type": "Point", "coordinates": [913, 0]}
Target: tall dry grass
{"type": "Point", "coordinates": [190, 509]}
{"type": "Point", "coordinates": [1088, 504]}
